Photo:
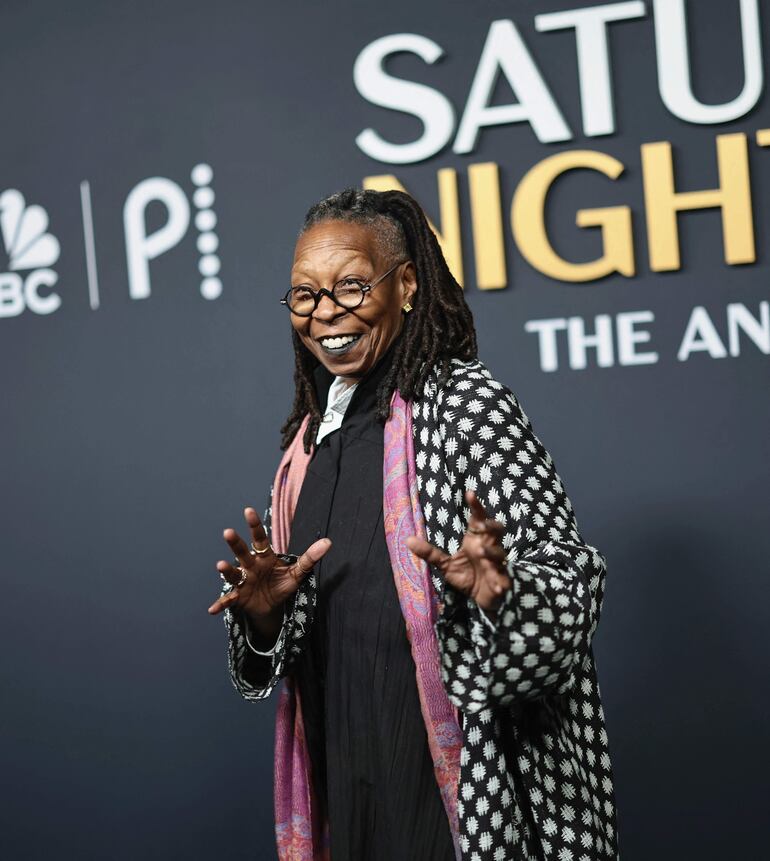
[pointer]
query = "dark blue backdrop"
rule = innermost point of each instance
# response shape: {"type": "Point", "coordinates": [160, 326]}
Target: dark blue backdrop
{"type": "Point", "coordinates": [136, 427]}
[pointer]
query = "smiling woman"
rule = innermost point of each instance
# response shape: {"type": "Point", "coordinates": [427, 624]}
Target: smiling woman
{"type": "Point", "coordinates": [433, 623]}
{"type": "Point", "coordinates": [335, 323]}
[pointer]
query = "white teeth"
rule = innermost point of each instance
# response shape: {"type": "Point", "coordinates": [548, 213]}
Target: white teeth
{"type": "Point", "coordinates": [333, 343]}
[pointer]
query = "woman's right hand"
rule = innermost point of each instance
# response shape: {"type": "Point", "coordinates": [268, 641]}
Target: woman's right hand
{"type": "Point", "coordinates": [269, 580]}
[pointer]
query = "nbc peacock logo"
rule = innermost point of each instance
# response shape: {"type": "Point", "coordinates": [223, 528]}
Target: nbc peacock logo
{"type": "Point", "coordinates": [28, 253]}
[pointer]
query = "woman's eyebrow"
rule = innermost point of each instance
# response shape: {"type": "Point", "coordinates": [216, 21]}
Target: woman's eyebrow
{"type": "Point", "coordinates": [355, 267]}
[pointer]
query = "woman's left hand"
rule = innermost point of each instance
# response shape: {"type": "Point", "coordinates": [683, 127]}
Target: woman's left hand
{"type": "Point", "coordinates": [478, 568]}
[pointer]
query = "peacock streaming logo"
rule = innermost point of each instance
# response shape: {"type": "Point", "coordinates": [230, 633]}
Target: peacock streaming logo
{"type": "Point", "coordinates": [142, 248]}
{"type": "Point", "coordinates": [29, 252]}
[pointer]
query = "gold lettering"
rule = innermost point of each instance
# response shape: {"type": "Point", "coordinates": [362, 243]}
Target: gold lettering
{"type": "Point", "coordinates": [449, 237]}
{"type": "Point", "coordinates": [733, 197]}
{"type": "Point", "coordinates": [528, 220]}
{"type": "Point", "coordinates": [487, 220]}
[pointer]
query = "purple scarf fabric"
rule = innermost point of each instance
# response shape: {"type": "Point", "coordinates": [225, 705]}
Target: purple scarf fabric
{"type": "Point", "coordinates": [302, 834]}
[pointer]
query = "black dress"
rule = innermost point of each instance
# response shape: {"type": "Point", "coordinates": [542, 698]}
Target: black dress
{"type": "Point", "coordinates": [368, 745]}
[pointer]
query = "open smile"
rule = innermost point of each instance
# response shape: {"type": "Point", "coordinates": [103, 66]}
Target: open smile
{"type": "Point", "coordinates": [338, 344]}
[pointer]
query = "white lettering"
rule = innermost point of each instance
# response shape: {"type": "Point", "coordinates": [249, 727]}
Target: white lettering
{"type": "Point", "coordinates": [34, 301]}
{"type": "Point", "coordinates": [674, 64]}
{"type": "Point", "coordinates": [505, 51]}
{"type": "Point", "coordinates": [593, 57]}
{"type": "Point", "coordinates": [11, 295]}
{"type": "Point", "coordinates": [141, 248]}
{"type": "Point", "coordinates": [578, 342]}
{"type": "Point", "coordinates": [740, 318]}
{"type": "Point", "coordinates": [629, 337]}
{"type": "Point", "coordinates": [379, 88]}
{"type": "Point", "coordinates": [701, 335]}
{"type": "Point", "coordinates": [546, 331]}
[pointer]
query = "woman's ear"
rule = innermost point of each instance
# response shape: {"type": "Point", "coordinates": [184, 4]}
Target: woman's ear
{"type": "Point", "coordinates": [408, 283]}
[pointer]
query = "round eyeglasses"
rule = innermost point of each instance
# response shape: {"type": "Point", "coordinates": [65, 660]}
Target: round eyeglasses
{"type": "Point", "coordinates": [348, 293]}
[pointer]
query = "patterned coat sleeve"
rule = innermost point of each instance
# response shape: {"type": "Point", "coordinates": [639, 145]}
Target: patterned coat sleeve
{"type": "Point", "coordinates": [545, 624]}
{"type": "Point", "coordinates": [255, 675]}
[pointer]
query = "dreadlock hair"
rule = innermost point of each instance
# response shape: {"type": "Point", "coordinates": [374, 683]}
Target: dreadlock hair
{"type": "Point", "coordinates": [439, 328]}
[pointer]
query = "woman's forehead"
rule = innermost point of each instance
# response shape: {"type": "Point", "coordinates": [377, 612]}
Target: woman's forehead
{"type": "Point", "coordinates": [331, 244]}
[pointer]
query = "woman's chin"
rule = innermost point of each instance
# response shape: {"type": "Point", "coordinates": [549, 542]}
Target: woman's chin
{"type": "Point", "coordinates": [348, 369]}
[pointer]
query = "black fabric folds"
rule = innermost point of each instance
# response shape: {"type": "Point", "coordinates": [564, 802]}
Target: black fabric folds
{"type": "Point", "coordinates": [372, 767]}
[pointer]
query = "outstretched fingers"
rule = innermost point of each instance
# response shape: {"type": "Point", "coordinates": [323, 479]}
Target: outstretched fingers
{"type": "Point", "coordinates": [304, 564]}
{"type": "Point", "coordinates": [223, 602]}
{"type": "Point", "coordinates": [239, 548]}
{"type": "Point", "coordinates": [479, 520]}
{"type": "Point", "coordinates": [258, 533]}
{"type": "Point", "coordinates": [425, 550]}
{"type": "Point", "coordinates": [228, 572]}
{"type": "Point", "coordinates": [494, 553]}
{"type": "Point", "coordinates": [493, 569]}
{"type": "Point", "coordinates": [478, 512]}
{"type": "Point", "coordinates": [231, 575]}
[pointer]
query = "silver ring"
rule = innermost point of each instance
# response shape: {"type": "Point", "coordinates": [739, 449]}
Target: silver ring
{"type": "Point", "coordinates": [477, 531]}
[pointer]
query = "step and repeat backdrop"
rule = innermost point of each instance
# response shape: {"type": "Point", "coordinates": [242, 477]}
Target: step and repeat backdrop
{"type": "Point", "coordinates": [599, 178]}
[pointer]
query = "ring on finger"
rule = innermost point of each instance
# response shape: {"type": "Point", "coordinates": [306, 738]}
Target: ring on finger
{"type": "Point", "coordinates": [236, 563]}
{"type": "Point", "coordinates": [256, 549]}
{"type": "Point", "coordinates": [477, 531]}
{"type": "Point", "coordinates": [244, 574]}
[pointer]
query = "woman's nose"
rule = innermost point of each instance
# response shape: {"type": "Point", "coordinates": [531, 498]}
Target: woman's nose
{"type": "Point", "coordinates": [327, 308]}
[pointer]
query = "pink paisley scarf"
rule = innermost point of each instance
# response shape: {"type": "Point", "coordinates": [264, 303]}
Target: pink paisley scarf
{"type": "Point", "coordinates": [301, 834]}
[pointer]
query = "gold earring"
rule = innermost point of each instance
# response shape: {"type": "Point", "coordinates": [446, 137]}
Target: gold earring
{"type": "Point", "coordinates": [407, 308]}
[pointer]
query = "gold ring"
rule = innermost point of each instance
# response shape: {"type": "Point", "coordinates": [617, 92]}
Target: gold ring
{"type": "Point", "coordinates": [264, 550]}
{"type": "Point", "coordinates": [244, 574]}
{"type": "Point", "coordinates": [476, 531]}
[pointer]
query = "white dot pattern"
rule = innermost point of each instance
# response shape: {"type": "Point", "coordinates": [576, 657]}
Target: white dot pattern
{"type": "Point", "coordinates": [535, 773]}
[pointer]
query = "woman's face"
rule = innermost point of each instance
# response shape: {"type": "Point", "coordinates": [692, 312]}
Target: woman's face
{"type": "Point", "coordinates": [328, 252]}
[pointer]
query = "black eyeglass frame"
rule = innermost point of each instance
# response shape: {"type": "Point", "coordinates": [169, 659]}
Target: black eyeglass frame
{"type": "Point", "coordinates": [363, 285]}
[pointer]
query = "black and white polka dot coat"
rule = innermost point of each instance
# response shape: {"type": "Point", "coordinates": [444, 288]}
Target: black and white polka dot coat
{"type": "Point", "coordinates": [535, 776]}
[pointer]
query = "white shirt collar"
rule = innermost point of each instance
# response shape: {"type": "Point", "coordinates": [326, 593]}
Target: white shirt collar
{"type": "Point", "coordinates": [337, 402]}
